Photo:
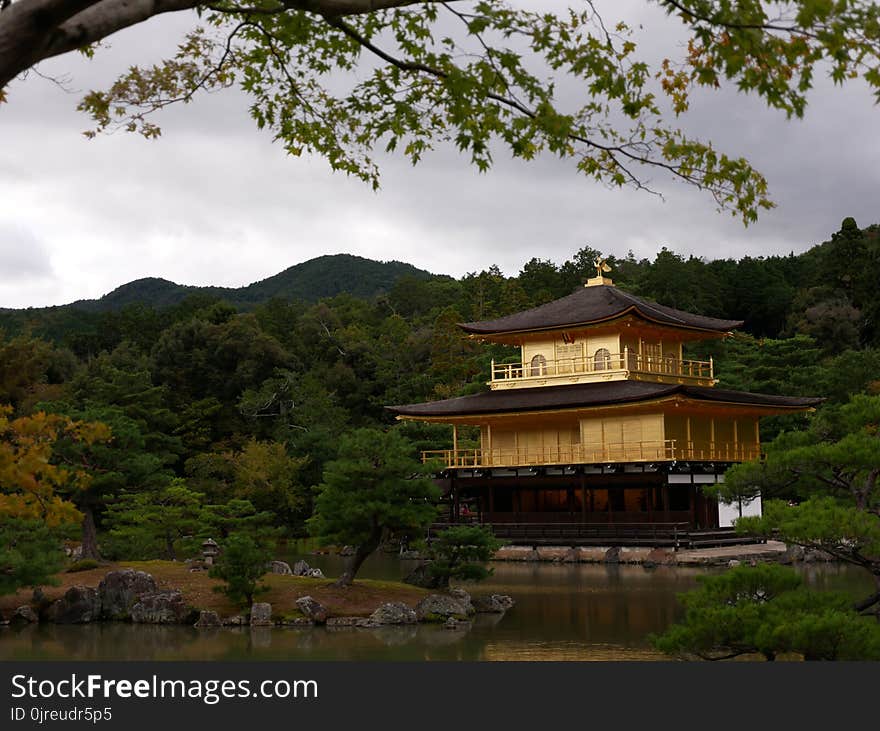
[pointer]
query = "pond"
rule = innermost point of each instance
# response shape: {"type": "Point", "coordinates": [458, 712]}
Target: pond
{"type": "Point", "coordinates": [563, 612]}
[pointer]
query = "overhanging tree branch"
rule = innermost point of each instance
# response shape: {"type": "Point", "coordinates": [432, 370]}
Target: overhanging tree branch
{"type": "Point", "coordinates": [35, 30]}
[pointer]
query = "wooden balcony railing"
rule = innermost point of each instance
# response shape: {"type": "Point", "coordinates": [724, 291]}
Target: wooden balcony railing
{"type": "Point", "coordinates": [667, 450]}
{"type": "Point", "coordinates": [630, 361]}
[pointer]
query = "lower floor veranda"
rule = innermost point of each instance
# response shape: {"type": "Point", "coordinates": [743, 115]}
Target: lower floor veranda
{"type": "Point", "coordinates": [583, 495]}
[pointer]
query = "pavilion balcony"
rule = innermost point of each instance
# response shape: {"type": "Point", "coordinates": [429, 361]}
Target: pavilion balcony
{"type": "Point", "coordinates": [616, 366]}
{"type": "Point", "coordinates": [667, 450]}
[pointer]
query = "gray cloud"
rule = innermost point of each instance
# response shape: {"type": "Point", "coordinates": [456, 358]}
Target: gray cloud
{"type": "Point", "coordinates": [23, 257]}
{"type": "Point", "coordinates": [215, 201]}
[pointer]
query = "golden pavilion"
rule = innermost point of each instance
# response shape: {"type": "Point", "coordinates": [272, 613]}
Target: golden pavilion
{"type": "Point", "coordinates": [601, 420]}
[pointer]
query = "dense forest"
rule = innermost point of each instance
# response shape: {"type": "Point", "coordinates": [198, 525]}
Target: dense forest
{"type": "Point", "coordinates": [239, 402]}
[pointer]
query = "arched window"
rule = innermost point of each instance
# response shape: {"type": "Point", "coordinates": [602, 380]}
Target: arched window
{"type": "Point", "coordinates": [602, 360]}
{"type": "Point", "coordinates": [539, 366]}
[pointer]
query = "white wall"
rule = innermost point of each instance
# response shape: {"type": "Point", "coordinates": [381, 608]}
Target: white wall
{"type": "Point", "coordinates": [729, 512]}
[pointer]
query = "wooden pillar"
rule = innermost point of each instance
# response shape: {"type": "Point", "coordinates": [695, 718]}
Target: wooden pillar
{"type": "Point", "coordinates": [664, 496]}
{"type": "Point", "coordinates": [487, 458]}
{"type": "Point", "coordinates": [454, 517]}
{"type": "Point", "coordinates": [454, 443]}
{"type": "Point", "coordinates": [690, 442]}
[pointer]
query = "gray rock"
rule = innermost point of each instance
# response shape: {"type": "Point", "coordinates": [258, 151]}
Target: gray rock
{"type": "Point", "coordinates": [814, 556]}
{"type": "Point", "coordinates": [344, 621]}
{"type": "Point", "coordinates": [453, 623]}
{"type": "Point", "coordinates": [25, 613]}
{"type": "Point", "coordinates": [438, 607]}
{"type": "Point", "coordinates": [316, 574]}
{"type": "Point", "coordinates": [280, 567]}
{"type": "Point", "coordinates": [346, 551]}
{"type": "Point", "coordinates": [612, 555]}
{"type": "Point", "coordinates": [312, 609]}
{"type": "Point", "coordinates": [493, 604]}
{"type": "Point", "coordinates": [80, 604]}
{"type": "Point", "coordinates": [301, 568]}
{"type": "Point", "coordinates": [572, 555]}
{"type": "Point", "coordinates": [207, 618]}
{"type": "Point", "coordinates": [733, 563]}
{"type": "Point", "coordinates": [120, 590]}
{"type": "Point", "coordinates": [393, 613]}
{"type": "Point", "coordinates": [162, 607]}
{"type": "Point", "coordinates": [261, 614]}
{"type": "Point", "coordinates": [298, 622]}
{"type": "Point", "coordinates": [463, 598]}
{"type": "Point", "coordinates": [234, 621]}
{"type": "Point", "coordinates": [793, 554]}
{"type": "Point", "coordinates": [658, 557]}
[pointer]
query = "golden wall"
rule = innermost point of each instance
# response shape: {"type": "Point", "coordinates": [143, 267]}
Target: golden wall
{"type": "Point", "coordinates": [624, 437]}
{"type": "Point", "coordinates": [633, 437]}
{"type": "Point", "coordinates": [719, 436]}
{"type": "Point", "coordinates": [557, 349]}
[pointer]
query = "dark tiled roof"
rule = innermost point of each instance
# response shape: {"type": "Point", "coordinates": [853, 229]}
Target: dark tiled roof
{"type": "Point", "coordinates": [594, 304]}
{"type": "Point", "coordinates": [704, 393]}
{"type": "Point", "coordinates": [590, 394]}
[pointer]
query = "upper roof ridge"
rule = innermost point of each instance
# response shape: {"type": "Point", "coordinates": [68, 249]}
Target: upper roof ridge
{"type": "Point", "coordinates": [594, 304]}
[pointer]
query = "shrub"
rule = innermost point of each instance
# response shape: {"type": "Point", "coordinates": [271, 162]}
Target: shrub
{"type": "Point", "coordinates": [460, 552]}
{"type": "Point", "coordinates": [241, 565]}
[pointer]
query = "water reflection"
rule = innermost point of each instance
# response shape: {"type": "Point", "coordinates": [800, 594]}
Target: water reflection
{"type": "Point", "coordinates": [563, 612]}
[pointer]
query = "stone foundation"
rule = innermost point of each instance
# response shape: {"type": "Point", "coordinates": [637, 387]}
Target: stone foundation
{"type": "Point", "coordinates": [642, 555]}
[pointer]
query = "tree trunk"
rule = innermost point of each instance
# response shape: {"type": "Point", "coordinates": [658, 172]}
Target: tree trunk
{"type": "Point", "coordinates": [357, 559]}
{"type": "Point", "coordinates": [89, 536]}
{"type": "Point", "coordinates": [170, 553]}
{"type": "Point", "coordinates": [871, 601]}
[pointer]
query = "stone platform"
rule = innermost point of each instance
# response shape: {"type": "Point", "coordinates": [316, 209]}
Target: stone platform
{"type": "Point", "coordinates": [721, 556]}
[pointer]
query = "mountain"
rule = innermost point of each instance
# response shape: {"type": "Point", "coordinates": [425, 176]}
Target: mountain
{"type": "Point", "coordinates": [325, 276]}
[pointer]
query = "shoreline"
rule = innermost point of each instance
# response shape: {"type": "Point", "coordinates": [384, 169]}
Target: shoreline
{"type": "Point", "coordinates": [170, 593]}
{"type": "Point", "coordinates": [771, 551]}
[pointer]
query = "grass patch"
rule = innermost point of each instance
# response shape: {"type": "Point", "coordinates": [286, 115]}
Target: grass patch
{"type": "Point", "coordinates": [85, 564]}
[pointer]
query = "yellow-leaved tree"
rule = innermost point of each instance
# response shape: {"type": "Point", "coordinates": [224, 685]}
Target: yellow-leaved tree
{"type": "Point", "coordinates": [34, 509]}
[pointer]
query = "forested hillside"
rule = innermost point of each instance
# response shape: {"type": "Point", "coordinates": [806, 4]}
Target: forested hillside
{"type": "Point", "coordinates": [324, 276]}
{"type": "Point", "coordinates": [230, 403]}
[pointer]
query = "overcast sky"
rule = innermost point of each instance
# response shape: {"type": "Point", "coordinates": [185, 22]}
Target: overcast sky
{"type": "Point", "coordinates": [214, 201]}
